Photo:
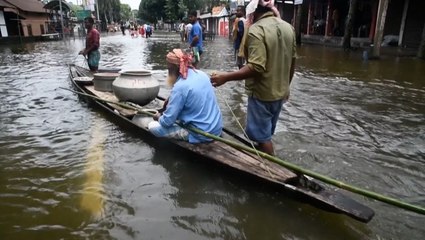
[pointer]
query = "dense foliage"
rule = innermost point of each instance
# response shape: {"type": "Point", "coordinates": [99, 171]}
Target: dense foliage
{"type": "Point", "coordinates": [109, 10]}
{"type": "Point", "coordinates": [173, 10]}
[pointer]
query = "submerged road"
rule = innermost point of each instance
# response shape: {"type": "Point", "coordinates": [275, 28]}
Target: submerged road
{"type": "Point", "coordinates": [68, 171]}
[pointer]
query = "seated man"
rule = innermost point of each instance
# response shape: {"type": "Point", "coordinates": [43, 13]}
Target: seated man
{"type": "Point", "coordinates": [192, 102]}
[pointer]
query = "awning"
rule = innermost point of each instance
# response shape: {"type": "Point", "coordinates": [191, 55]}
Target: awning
{"type": "Point", "coordinates": [218, 13]}
{"type": "Point", "coordinates": [5, 4]}
{"type": "Point", "coordinates": [54, 5]}
{"type": "Point", "coordinates": [204, 16]}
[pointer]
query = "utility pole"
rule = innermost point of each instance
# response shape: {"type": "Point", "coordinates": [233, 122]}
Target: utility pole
{"type": "Point", "coordinates": [380, 24]}
{"type": "Point", "coordinates": [61, 13]}
{"type": "Point", "coordinates": [97, 11]}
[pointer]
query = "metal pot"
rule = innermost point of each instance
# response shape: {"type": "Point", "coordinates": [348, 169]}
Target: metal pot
{"type": "Point", "coordinates": [136, 86]}
{"type": "Point", "coordinates": [103, 81]}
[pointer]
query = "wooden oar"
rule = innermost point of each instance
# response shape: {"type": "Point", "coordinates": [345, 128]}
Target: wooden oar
{"type": "Point", "coordinates": [286, 164]}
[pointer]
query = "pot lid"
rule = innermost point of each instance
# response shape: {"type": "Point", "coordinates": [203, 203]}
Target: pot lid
{"type": "Point", "coordinates": [106, 74]}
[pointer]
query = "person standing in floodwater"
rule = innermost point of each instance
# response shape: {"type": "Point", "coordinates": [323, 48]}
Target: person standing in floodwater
{"type": "Point", "coordinates": [270, 51]}
{"type": "Point", "coordinates": [122, 28]}
{"type": "Point", "coordinates": [195, 38]}
{"type": "Point", "coordinates": [92, 45]}
{"type": "Point", "coordinates": [238, 32]}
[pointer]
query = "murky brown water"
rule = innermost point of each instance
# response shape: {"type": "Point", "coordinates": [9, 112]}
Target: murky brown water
{"type": "Point", "coordinates": [67, 171]}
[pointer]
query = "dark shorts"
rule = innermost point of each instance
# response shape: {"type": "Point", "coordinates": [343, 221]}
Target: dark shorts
{"type": "Point", "coordinates": [261, 120]}
{"type": "Point", "coordinates": [93, 59]}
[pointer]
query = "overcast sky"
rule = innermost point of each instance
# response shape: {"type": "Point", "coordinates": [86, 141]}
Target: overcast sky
{"type": "Point", "coordinates": [134, 4]}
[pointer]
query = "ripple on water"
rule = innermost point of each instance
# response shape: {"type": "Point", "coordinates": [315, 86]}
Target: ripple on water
{"type": "Point", "coordinates": [342, 120]}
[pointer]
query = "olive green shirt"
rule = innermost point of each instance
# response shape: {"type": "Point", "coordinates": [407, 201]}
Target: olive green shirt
{"type": "Point", "coordinates": [270, 49]}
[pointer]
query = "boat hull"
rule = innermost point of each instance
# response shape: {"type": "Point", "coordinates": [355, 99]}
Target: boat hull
{"type": "Point", "coordinates": [302, 187]}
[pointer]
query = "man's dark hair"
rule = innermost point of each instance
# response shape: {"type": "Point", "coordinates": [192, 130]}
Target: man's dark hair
{"type": "Point", "coordinates": [242, 8]}
{"type": "Point", "coordinates": [261, 9]}
{"type": "Point", "coordinates": [193, 14]}
{"type": "Point", "coordinates": [89, 19]}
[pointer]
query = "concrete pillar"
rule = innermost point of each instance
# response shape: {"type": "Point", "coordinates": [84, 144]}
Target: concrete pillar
{"type": "Point", "coordinates": [421, 51]}
{"type": "Point", "coordinates": [3, 28]}
{"type": "Point", "coordinates": [403, 22]}
{"type": "Point", "coordinates": [373, 22]}
{"type": "Point", "coordinates": [328, 18]}
{"type": "Point", "coordinates": [297, 26]}
{"type": "Point", "coordinates": [309, 18]}
{"type": "Point", "coordinates": [380, 24]}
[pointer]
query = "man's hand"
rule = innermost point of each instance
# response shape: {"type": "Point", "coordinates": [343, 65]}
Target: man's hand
{"type": "Point", "coordinates": [164, 106]}
{"type": "Point", "coordinates": [82, 52]}
{"type": "Point", "coordinates": [218, 79]}
{"type": "Point", "coordinates": [156, 116]}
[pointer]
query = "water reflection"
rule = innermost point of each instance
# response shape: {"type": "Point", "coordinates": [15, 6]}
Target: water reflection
{"type": "Point", "coordinates": [93, 193]}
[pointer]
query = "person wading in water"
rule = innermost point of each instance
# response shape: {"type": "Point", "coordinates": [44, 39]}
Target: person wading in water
{"type": "Point", "coordinates": [92, 45]}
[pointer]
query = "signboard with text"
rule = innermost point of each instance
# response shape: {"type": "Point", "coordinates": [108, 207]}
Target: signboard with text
{"type": "Point", "coordinates": [81, 14]}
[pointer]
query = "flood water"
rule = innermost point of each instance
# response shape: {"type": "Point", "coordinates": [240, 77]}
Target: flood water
{"type": "Point", "coordinates": [68, 171]}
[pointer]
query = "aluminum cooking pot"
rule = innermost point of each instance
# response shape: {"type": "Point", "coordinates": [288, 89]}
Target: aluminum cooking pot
{"type": "Point", "coordinates": [136, 86]}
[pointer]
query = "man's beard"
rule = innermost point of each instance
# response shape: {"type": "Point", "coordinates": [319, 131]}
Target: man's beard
{"type": "Point", "coordinates": [171, 79]}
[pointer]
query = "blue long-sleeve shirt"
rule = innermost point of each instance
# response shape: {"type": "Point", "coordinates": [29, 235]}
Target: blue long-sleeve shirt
{"type": "Point", "coordinates": [193, 102]}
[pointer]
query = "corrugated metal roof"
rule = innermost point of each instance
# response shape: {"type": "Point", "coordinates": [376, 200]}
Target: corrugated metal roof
{"type": "Point", "coordinates": [206, 15]}
{"type": "Point", "coordinates": [4, 4]}
{"type": "Point", "coordinates": [220, 11]}
{"type": "Point", "coordinates": [28, 5]}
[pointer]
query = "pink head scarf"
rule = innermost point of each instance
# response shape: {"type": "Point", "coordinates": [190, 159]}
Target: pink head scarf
{"type": "Point", "coordinates": [250, 9]}
{"type": "Point", "coordinates": [182, 59]}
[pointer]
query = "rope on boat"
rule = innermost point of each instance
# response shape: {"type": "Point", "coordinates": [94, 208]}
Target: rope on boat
{"type": "Point", "coordinates": [263, 162]}
{"type": "Point", "coordinates": [325, 179]}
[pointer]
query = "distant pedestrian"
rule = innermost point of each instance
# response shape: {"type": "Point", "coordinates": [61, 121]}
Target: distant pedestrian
{"type": "Point", "coordinates": [148, 30]}
{"type": "Point", "coordinates": [195, 38]}
{"type": "Point", "coordinates": [122, 28]}
{"type": "Point", "coordinates": [182, 26]}
{"type": "Point", "coordinates": [92, 45]}
{"type": "Point", "coordinates": [187, 30]}
{"type": "Point", "coordinates": [238, 32]}
{"type": "Point", "coordinates": [142, 31]}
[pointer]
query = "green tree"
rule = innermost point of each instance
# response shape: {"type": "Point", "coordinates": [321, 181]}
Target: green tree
{"type": "Point", "coordinates": [182, 9]}
{"type": "Point", "coordinates": [172, 10]}
{"type": "Point", "coordinates": [74, 9]}
{"type": "Point", "coordinates": [125, 12]}
{"type": "Point", "coordinates": [109, 10]}
{"type": "Point", "coordinates": [152, 10]}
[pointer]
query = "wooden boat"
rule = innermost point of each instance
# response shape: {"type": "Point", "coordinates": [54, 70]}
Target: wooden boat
{"type": "Point", "coordinates": [301, 186]}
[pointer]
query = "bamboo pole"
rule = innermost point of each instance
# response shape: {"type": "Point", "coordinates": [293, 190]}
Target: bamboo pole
{"type": "Point", "coordinates": [286, 164]}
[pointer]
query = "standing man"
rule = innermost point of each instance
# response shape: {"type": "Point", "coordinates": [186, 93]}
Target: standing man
{"type": "Point", "coordinates": [195, 38]}
{"type": "Point", "coordinates": [92, 45]}
{"type": "Point", "coordinates": [182, 30]}
{"type": "Point", "coordinates": [187, 30]}
{"type": "Point", "coordinates": [148, 30]}
{"type": "Point", "coordinates": [238, 32]}
{"type": "Point", "coordinates": [270, 51]}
